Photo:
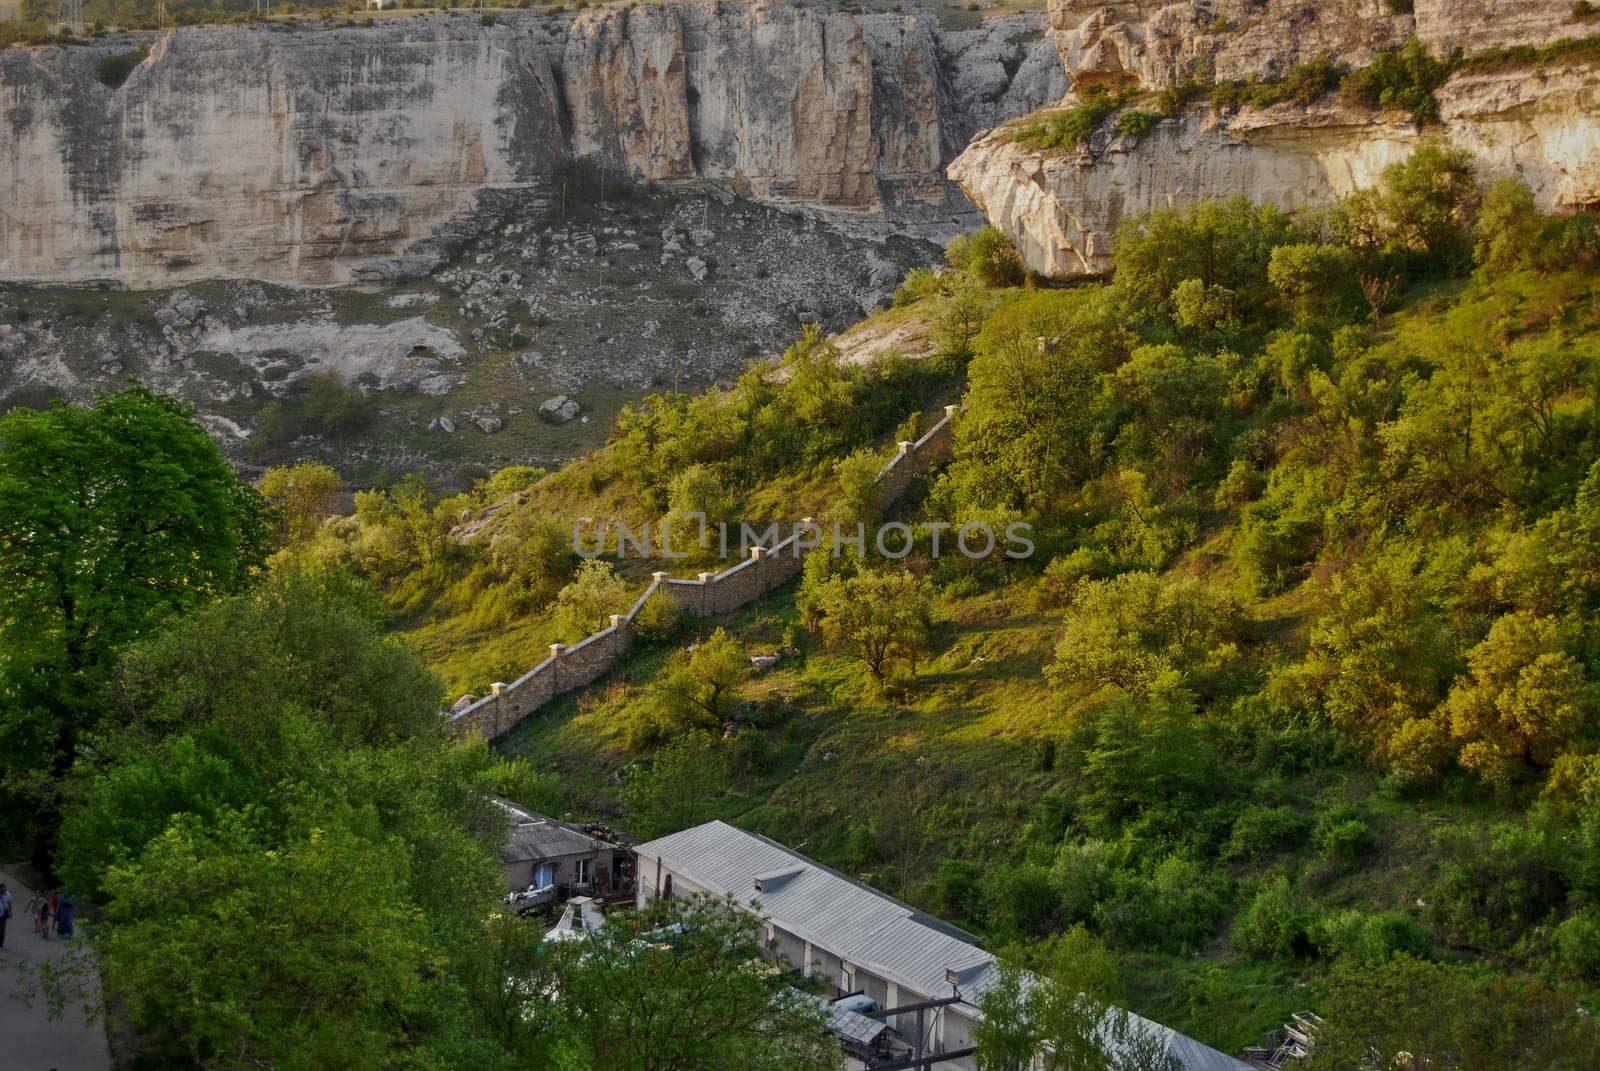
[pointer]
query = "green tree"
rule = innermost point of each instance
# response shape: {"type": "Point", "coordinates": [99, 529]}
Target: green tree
{"type": "Point", "coordinates": [698, 689]}
{"type": "Point", "coordinates": [1380, 657]}
{"type": "Point", "coordinates": [882, 618]}
{"type": "Point", "coordinates": [304, 494]}
{"type": "Point", "coordinates": [861, 496]}
{"type": "Point", "coordinates": [698, 491]}
{"type": "Point", "coordinates": [583, 606]}
{"type": "Point", "coordinates": [239, 951]}
{"type": "Point", "coordinates": [677, 787]}
{"type": "Point", "coordinates": [1144, 635]}
{"type": "Point", "coordinates": [1506, 235]}
{"type": "Point", "coordinates": [1226, 244]}
{"type": "Point", "coordinates": [1522, 701]}
{"type": "Point", "coordinates": [1422, 211]}
{"type": "Point", "coordinates": [110, 518]}
{"type": "Point", "coordinates": [1034, 402]}
{"type": "Point", "coordinates": [683, 987]}
{"type": "Point", "coordinates": [1064, 1012]}
{"type": "Point", "coordinates": [988, 256]}
{"type": "Point", "coordinates": [1316, 280]}
{"type": "Point", "coordinates": [292, 859]}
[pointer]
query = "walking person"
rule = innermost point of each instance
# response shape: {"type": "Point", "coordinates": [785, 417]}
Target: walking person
{"type": "Point", "coordinates": [5, 911]}
{"type": "Point", "coordinates": [36, 911]}
{"type": "Point", "coordinates": [50, 910]}
{"type": "Point", "coordinates": [65, 914]}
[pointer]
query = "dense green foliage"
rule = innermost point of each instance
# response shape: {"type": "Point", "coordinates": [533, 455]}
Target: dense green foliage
{"type": "Point", "coordinates": [289, 863]}
{"type": "Point", "coordinates": [110, 518]}
{"type": "Point", "coordinates": [271, 804]}
{"type": "Point", "coordinates": [1067, 1006]}
{"type": "Point", "coordinates": [680, 987]}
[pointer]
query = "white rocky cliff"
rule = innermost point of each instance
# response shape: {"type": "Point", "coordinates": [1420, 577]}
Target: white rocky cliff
{"type": "Point", "coordinates": [300, 154]}
{"type": "Point", "coordinates": [1536, 121]}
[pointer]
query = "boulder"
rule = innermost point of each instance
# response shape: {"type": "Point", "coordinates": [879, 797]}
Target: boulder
{"type": "Point", "coordinates": [558, 410]}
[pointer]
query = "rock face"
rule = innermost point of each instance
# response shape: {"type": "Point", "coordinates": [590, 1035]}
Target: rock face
{"type": "Point", "coordinates": [1159, 42]}
{"type": "Point", "coordinates": [1062, 208]}
{"type": "Point", "coordinates": [295, 154]}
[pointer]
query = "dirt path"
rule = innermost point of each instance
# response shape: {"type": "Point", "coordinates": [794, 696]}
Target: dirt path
{"type": "Point", "coordinates": [29, 1039]}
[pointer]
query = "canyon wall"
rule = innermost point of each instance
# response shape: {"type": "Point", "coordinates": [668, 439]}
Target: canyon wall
{"type": "Point", "coordinates": [1538, 122]}
{"type": "Point", "coordinates": [290, 152]}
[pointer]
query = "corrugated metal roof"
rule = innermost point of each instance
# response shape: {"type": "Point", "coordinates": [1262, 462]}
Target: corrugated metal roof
{"type": "Point", "coordinates": [533, 836]}
{"type": "Point", "coordinates": [857, 923]}
{"type": "Point", "coordinates": [850, 1025]}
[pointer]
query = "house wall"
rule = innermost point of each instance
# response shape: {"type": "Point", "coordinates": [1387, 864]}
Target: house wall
{"type": "Point", "coordinates": [520, 873]}
{"type": "Point", "coordinates": [712, 595]}
{"type": "Point", "coordinates": [650, 875]}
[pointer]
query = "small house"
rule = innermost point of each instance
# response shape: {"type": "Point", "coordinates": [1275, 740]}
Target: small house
{"type": "Point", "coordinates": [543, 853]}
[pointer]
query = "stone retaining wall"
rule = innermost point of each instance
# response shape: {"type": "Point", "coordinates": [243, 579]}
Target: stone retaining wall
{"type": "Point", "coordinates": [712, 595]}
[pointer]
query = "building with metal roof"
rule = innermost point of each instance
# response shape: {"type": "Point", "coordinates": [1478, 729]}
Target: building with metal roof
{"type": "Point", "coordinates": [858, 939]}
{"type": "Point", "coordinates": [542, 853]}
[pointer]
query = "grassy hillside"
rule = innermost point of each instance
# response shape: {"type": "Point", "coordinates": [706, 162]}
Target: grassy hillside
{"type": "Point", "coordinates": [1295, 704]}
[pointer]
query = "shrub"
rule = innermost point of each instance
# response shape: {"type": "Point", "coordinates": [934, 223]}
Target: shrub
{"type": "Point", "coordinates": [1343, 834]}
{"type": "Point", "coordinates": [1310, 80]}
{"type": "Point", "coordinates": [1020, 901]}
{"type": "Point", "coordinates": [1493, 892]}
{"type": "Point", "coordinates": [1274, 925]}
{"type": "Point", "coordinates": [1368, 938]}
{"type": "Point", "coordinates": [956, 886]}
{"type": "Point", "coordinates": [1082, 876]}
{"type": "Point", "coordinates": [1174, 98]}
{"type": "Point", "coordinates": [1068, 128]}
{"type": "Point", "coordinates": [920, 283]}
{"type": "Point", "coordinates": [1577, 942]}
{"type": "Point", "coordinates": [1278, 536]}
{"type": "Point", "coordinates": [659, 619]}
{"type": "Point", "coordinates": [1260, 832]}
{"type": "Point", "coordinates": [336, 408]}
{"type": "Point", "coordinates": [988, 256]}
{"type": "Point", "coordinates": [1134, 122]}
{"type": "Point", "coordinates": [1403, 77]}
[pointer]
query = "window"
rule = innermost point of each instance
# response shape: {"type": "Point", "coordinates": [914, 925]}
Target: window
{"type": "Point", "coordinates": [581, 871]}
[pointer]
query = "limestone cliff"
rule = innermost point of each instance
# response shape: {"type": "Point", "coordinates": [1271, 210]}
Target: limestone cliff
{"type": "Point", "coordinates": [283, 152]}
{"type": "Point", "coordinates": [1541, 124]}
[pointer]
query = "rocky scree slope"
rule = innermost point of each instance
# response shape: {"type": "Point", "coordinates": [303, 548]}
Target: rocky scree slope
{"type": "Point", "coordinates": [1538, 122]}
{"type": "Point", "coordinates": [596, 301]}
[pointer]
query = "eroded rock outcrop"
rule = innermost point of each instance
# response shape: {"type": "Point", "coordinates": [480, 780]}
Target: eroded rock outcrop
{"type": "Point", "coordinates": [290, 153]}
{"type": "Point", "coordinates": [1062, 207]}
